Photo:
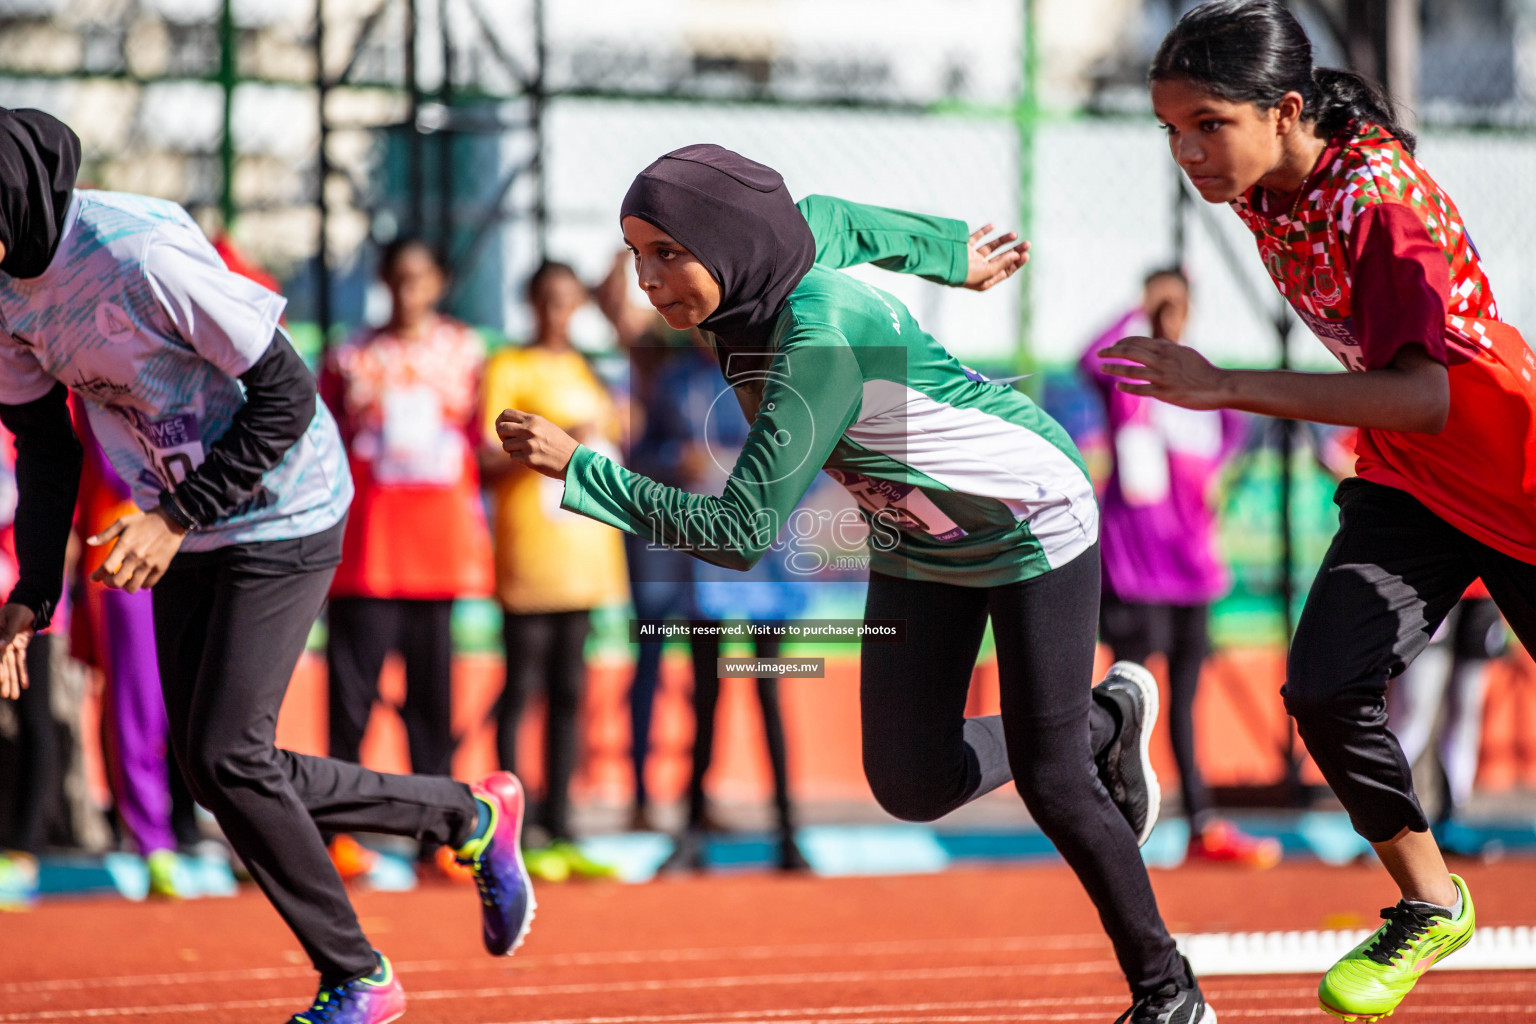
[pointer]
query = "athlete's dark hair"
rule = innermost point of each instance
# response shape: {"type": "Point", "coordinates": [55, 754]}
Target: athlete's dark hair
{"type": "Point", "coordinates": [1255, 51]}
{"type": "Point", "coordinates": [397, 247]}
{"type": "Point", "coordinates": [547, 270]}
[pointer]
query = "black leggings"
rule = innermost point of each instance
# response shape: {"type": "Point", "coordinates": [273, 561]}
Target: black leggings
{"type": "Point", "coordinates": [363, 630]}
{"type": "Point", "coordinates": [229, 626]}
{"type": "Point", "coordinates": [1392, 573]}
{"type": "Point", "coordinates": [1133, 631]}
{"type": "Point", "coordinates": [39, 781]}
{"type": "Point", "coordinates": [706, 697]}
{"type": "Point", "coordinates": [545, 654]}
{"type": "Point", "coordinates": [923, 758]}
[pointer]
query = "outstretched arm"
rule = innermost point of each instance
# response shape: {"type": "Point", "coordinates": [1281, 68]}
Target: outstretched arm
{"type": "Point", "coordinates": [936, 248]}
{"type": "Point", "coordinates": [1411, 393]}
{"type": "Point", "coordinates": [812, 393]}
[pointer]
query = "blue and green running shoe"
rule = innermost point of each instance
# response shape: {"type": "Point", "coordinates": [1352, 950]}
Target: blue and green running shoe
{"type": "Point", "coordinates": [1374, 977]}
{"type": "Point", "coordinates": [495, 855]}
{"type": "Point", "coordinates": [374, 999]}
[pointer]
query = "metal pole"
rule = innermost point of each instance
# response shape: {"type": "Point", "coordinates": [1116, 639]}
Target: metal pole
{"type": "Point", "coordinates": [445, 147]}
{"type": "Point", "coordinates": [1181, 194]}
{"type": "Point", "coordinates": [1026, 119]}
{"type": "Point", "coordinates": [415, 157]}
{"type": "Point", "coordinates": [323, 165]}
{"type": "Point", "coordinates": [227, 44]}
{"type": "Point", "coordinates": [1403, 58]}
{"type": "Point", "coordinates": [538, 99]}
{"type": "Point", "coordinates": [1288, 556]}
{"type": "Point", "coordinates": [1180, 229]}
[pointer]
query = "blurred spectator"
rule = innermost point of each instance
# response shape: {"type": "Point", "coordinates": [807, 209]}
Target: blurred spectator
{"type": "Point", "coordinates": [552, 566]}
{"type": "Point", "coordinates": [660, 578]}
{"type": "Point", "coordinates": [44, 798]}
{"type": "Point", "coordinates": [1445, 686]}
{"type": "Point", "coordinates": [694, 431]}
{"type": "Point", "coordinates": [405, 397]}
{"type": "Point", "coordinates": [115, 631]}
{"type": "Point", "coordinates": [1158, 536]}
{"type": "Point", "coordinates": [37, 766]}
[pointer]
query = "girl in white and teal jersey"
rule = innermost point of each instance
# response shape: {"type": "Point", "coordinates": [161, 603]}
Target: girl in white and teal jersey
{"type": "Point", "coordinates": [203, 406]}
{"type": "Point", "coordinates": [978, 504]}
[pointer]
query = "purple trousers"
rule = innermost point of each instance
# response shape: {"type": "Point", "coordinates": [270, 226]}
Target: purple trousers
{"type": "Point", "coordinates": [134, 724]}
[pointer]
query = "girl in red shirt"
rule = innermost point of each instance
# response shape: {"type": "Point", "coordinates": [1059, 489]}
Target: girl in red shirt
{"type": "Point", "coordinates": [406, 400]}
{"type": "Point", "coordinates": [1373, 255]}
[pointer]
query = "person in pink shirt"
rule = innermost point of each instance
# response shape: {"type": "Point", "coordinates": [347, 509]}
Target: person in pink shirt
{"type": "Point", "coordinates": [1157, 531]}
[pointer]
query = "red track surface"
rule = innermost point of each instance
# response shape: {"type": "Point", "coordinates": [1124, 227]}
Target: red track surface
{"type": "Point", "coordinates": [993, 945]}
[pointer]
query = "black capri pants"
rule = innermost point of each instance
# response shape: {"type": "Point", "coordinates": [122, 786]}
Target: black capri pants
{"type": "Point", "coordinates": [923, 758]}
{"type": "Point", "coordinates": [1391, 575]}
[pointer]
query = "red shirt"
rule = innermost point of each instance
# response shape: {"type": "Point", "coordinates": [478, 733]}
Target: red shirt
{"type": "Point", "coordinates": [1373, 256]}
{"type": "Point", "coordinates": [408, 410]}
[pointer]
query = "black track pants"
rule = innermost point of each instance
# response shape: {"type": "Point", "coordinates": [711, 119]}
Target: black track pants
{"type": "Point", "coordinates": [924, 758]}
{"type": "Point", "coordinates": [230, 626]}
{"type": "Point", "coordinates": [1392, 573]}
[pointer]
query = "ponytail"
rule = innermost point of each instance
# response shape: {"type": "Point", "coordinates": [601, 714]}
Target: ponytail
{"type": "Point", "coordinates": [1255, 51]}
{"type": "Point", "coordinates": [1342, 101]}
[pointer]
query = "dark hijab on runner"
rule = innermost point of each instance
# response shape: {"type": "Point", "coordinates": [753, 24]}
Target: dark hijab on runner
{"type": "Point", "coordinates": [737, 218]}
{"type": "Point", "coordinates": [39, 159]}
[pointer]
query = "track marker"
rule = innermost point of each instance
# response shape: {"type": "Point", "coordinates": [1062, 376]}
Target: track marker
{"type": "Point", "coordinates": [1491, 949]}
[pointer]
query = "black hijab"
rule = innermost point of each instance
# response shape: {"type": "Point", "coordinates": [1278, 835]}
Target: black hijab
{"type": "Point", "coordinates": [39, 159]}
{"type": "Point", "coordinates": [737, 218]}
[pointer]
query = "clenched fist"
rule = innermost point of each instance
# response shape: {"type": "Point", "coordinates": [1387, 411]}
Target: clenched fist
{"type": "Point", "coordinates": [535, 442]}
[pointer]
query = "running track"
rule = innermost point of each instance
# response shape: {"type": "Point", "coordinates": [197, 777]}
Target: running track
{"type": "Point", "coordinates": [981, 946]}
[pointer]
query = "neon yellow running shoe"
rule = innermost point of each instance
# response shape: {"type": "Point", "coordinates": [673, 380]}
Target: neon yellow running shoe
{"type": "Point", "coordinates": [1374, 977]}
{"type": "Point", "coordinates": [580, 865]}
{"type": "Point", "coordinates": [162, 874]}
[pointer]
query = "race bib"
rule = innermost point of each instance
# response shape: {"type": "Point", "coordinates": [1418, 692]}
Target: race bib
{"type": "Point", "coordinates": [903, 505]}
{"type": "Point", "coordinates": [1141, 460]}
{"type": "Point", "coordinates": [171, 444]}
{"type": "Point", "coordinates": [1194, 432]}
{"type": "Point", "coordinates": [415, 445]}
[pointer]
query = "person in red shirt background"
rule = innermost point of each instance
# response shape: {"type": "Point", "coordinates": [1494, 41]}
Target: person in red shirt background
{"type": "Point", "coordinates": [1374, 257]}
{"type": "Point", "coordinates": [38, 758]}
{"type": "Point", "coordinates": [406, 399]}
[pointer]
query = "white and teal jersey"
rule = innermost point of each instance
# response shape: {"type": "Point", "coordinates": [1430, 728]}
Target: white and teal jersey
{"type": "Point", "coordinates": [961, 480]}
{"type": "Point", "coordinates": [138, 316]}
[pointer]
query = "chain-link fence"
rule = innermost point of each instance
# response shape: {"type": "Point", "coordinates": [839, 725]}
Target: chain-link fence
{"type": "Point", "coordinates": [508, 132]}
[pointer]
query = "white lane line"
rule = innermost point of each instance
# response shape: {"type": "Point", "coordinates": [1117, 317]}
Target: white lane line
{"type": "Point", "coordinates": [1491, 949]}
{"type": "Point", "coordinates": [1212, 954]}
{"type": "Point", "coordinates": [934, 1013]}
{"type": "Point", "coordinates": [893, 1015]}
{"type": "Point", "coordinates": [836, 1011]}
{"type": "Point", "coordinates": [1431, 983]}
{"type": "Point", "coordinates": [1007, 944]}
{"type": "Point", "coordinates": [1246, 953]}
{"type": "Point", "coordinates": [613, 987]}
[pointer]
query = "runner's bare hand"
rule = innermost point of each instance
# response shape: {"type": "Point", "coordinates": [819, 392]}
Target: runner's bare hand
{"type": "Point", "coordinates": [535, 442]}
{"type": "Point", "coordinates": [145, 544]}
{"type": "Point", "coordinates": [15, 634]}
{"type": "Point", "coordinates": [990, 262]}
{"type": "Point", "coordinates": [1167, 370]}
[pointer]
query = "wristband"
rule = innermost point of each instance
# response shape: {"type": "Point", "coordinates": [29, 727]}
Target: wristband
{"type": "Point", "coordinates": [42, 608]}
{"type": "Point", "coordinates": [178, 515]}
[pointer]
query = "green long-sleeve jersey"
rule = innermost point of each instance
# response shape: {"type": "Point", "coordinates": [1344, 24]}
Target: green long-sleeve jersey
{"type": "Point", "coordinates": [961, 480]}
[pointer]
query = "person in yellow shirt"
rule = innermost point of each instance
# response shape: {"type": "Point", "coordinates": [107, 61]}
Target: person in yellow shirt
{"type": "Point", "coordinates": [552, 566]}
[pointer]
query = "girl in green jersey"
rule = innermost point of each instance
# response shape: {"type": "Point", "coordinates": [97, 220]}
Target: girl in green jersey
{"type": "Point", "coordinates": [977, 502]}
